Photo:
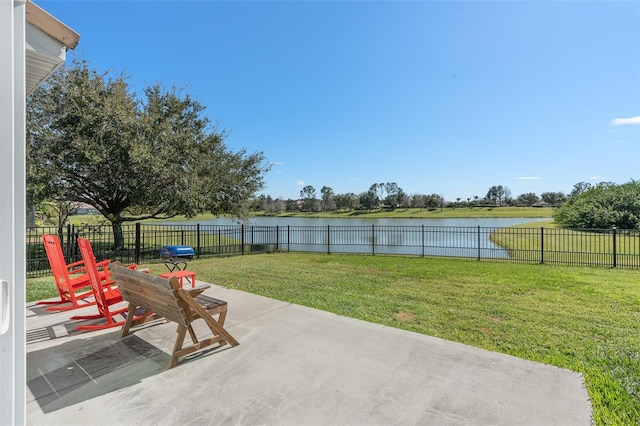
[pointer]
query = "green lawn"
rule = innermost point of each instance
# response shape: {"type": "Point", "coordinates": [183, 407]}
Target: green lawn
{"type": "Point", "coordinates": [581, 318]}
{"type": "Point", "coordinates": [566, 246]}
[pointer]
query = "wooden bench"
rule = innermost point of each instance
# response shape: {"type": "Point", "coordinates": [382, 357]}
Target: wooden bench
{"type": "Point", "coordinates": [165, 298]}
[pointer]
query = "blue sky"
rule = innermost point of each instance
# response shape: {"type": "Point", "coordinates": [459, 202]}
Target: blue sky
{"type": "Point", "coordinates": [439, 97]}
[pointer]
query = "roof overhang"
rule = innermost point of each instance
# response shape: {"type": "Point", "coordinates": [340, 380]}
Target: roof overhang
{"type": "Point", "coordinates": [47, 41]}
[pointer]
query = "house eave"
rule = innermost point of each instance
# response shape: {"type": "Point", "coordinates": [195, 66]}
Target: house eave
{"type": "Point", "coordinates": [46, 43]}
{"type": "Point", "coordinates": [49, 25]}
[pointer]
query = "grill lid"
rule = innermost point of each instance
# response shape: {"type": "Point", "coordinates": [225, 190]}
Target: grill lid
{"type": "Point", "coordinates": [177, 251]}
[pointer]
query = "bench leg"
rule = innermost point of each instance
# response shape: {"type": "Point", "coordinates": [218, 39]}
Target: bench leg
{"type": "Point", "coordinates": [129, 321]}
{"type": "Point", "coordinates": [192, 333]}
{"type": "Point", "coordinates": [182, 332]}
{"type": "Point", "coordinates": [223, 315]}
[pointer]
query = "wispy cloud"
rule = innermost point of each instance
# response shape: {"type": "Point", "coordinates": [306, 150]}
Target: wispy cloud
{"type": "Point", "coordinates": [528, 178]}
{"type": "Point", "coordinates": [623, 121]}
{"type": "Point", "coordinates": [300, 182]}
{"type": "Point", "coordinates": [596, 178]}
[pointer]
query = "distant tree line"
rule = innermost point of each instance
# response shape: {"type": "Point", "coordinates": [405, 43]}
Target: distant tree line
{"type": "Point", "coordinates": [587, 206]}
{"type": "Point", "coordinates": [390, 196]}
{"type": "Point", "coordinates": [501, 196]}
{"type": "Point", "coordinates": [380, 195]}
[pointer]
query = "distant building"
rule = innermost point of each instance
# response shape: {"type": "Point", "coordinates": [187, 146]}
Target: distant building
{"type": "Point", "coordinates": [84, 208]}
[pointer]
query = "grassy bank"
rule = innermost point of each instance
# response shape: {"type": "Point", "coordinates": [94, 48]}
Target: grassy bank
{"type": "Point", "coordinates": [580, 318]}
{"type": "Point", "coordinates": [457, 213]}
{"type": "Point", "coordinates": [565, 246]}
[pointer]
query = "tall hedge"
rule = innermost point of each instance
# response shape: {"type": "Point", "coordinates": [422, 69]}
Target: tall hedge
{"type": "Point", "coordinates": [603, 206]}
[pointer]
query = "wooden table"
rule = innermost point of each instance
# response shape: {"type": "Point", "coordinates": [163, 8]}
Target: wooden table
{"type": "Point", "coordinates": [181, 275]}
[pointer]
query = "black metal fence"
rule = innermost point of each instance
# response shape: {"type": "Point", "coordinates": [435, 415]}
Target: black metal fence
{"type": "Point", "coordinates": [142, 242]}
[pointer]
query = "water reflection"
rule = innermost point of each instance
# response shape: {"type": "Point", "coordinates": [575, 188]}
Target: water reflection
{"type": "Point", "coordinates": [420, 237]}
{"type": "Point", "coordinates": [304, 221]}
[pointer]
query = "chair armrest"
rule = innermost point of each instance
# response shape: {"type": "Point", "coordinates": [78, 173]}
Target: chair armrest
{"type": "Point", "coordinates": [74, 264]}
{"type": "Point", "coordinates": [103, 267]}
{"type": "Point", "coordinates": [73, 269]}
{"type": "Point", "coordinates": [134, 267]}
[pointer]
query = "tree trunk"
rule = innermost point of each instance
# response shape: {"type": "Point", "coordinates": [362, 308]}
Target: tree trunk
{"type": "Point", "coordinates": [118, 236]}
{"type": "Point", "coordinates": [60, 225]}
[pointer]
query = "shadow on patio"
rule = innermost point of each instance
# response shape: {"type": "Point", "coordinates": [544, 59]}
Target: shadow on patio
{"type": "Point", "coordinates": [83, 369]}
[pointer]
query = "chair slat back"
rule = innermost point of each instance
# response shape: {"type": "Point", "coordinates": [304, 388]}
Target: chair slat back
{"type": "Point", "coordinates": [94, 276]}
{"type": "Point", "coordinates": [56, 260]}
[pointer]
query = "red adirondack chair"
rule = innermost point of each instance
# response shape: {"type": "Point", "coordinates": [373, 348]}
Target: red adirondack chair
{"type": "Point", "coordinates": [105, 295]}
{"type": "Point", "coordinates": [71, 279]}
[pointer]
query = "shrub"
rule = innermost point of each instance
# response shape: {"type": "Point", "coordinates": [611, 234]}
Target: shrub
{"type": "Point", "coordinates": [602, 206]}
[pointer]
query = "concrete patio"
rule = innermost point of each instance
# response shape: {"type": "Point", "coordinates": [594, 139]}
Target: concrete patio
{"type": "Point", "coordinates": [294, 365]}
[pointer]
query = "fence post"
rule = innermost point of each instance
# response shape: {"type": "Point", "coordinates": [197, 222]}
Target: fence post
{"type": "Point", "coordinates": [198, 239]}
{"type": "Point", "coordinates": [373, 240]}
{"type": "Point", "coordinates": [542, 244]}
{"type": "Point", "coordinates": [328, 239]}
{"type": "Point", "coordinates": [277, 238]}
{"type": "Point", "coordinates": [478, 242]}
{"type": "Point", "coordinates": [288, 238]}
{"type": "Point", "coordinates": [137, 243]}
{"type": "Point", "coordinates": [73, 244]}
{"type": "Point", "coordinates": [242, 239]}
{"type": "Point", "coordinates": [615, 257]}
{"type": "Point", "coordinates": [423, 242]}
{"type": "Point", "coordinates": [66, 244]}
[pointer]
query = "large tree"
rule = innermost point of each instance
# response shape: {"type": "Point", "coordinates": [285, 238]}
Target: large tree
{"type": "Point", "coordinates": [348, 201]}
{"type": "Point", "coordinates": [498, 194]}
{"type": "Point", "coordinates": [602, 206]}
{"type": "Point", "coordinates": [91, 139]}
{"type": "Point", "coordinates": [554, 198]}
{"type": "Point", "coordinates": [328, 198]}
{"type": "Point", "coordinates": [308, 194]}
{"type": "Point", "coordinates": [527, 199]}
{"type": "Point", "coordinates": [395, 195]}
{"type": "Point", "coordinates": [368, 200]}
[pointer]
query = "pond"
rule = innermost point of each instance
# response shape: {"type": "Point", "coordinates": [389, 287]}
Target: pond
{"type": "Point", "coordinates": [426, 237]}
{"type": "Point", "coordinates": [304, 221]}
